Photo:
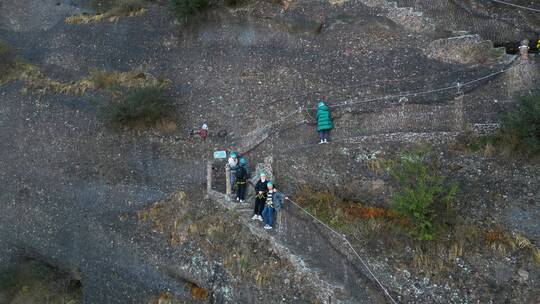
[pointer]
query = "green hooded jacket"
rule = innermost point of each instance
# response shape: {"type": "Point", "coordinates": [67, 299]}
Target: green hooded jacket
{"type": "Point", "coordinates": [324, 121]}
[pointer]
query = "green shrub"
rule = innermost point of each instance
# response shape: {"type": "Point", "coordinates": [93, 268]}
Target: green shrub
{"type": "Point", "coordinates": [184, 10]}
{"type": "Point", "coordinates": [140, 106]}
{"type": "Point", "coordinates": [422, 196]}
{"type": "Point", "coordinates": [521, 127]}
{"type": "Point", "coordinates": [7, 59]}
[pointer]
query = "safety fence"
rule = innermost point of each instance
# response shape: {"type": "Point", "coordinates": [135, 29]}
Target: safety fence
{"type": "Point", "coordinates": [256, 137]}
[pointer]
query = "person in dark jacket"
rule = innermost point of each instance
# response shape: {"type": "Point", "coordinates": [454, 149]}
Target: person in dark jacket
{"type": "Point", "coordinates": [260, 197]}
{"type": "Point", "coordinates": [274, 202]}
{"type": "Point", "coordinates": [324, 121]}
{"type": "Point", "coordinates": [241, 180]}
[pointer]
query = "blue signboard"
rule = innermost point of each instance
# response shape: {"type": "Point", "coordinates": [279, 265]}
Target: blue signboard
{"type": "Point", "coordinates": [220, 154]}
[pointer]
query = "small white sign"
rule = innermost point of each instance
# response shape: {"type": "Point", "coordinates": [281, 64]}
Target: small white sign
{"type": "Point", "coordinates": [220, 154]}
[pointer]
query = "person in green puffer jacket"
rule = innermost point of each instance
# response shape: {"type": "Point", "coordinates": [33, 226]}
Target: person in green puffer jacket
{"type": "Point", "coordinates": [324, 121]}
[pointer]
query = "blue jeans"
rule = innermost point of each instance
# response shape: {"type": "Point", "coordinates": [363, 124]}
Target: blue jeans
{"type": "Point", "coordinates": [268, 214]}
{"type": "Point", "coordinates": [323, 135]}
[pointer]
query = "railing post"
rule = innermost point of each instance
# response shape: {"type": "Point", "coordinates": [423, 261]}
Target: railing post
{"type": "Point", "coordinates": [209, 176]}
{"type": "Point", "coordinates": [228, 180]}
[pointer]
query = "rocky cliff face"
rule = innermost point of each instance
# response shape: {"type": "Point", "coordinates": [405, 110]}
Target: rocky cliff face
{"type": "Point", "coordinates": [72, 190]}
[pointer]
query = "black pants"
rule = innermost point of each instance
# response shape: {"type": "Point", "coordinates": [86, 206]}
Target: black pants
{"type": "Point", "coordinates": [241, 190]}
{"type": "Point", "coordinates": [259, 205]}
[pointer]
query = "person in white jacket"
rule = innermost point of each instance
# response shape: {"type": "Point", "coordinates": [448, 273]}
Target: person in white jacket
{"type": "Point", "coordinates": [233, 165]}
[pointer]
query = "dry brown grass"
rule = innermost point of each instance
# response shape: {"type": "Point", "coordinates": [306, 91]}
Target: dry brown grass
{"type": "Point", "coordinates": [198, 293]}
{"type": "Point", "coordinates": [499, 241]}
{"type": "Point", "coordinates": [164, 216]}
{"type": "Point", "coordinates": [164, 298]}
{"type": "Point", "coordinates": [536, 256]}
{"type": "Point", "coordinates": [489, 150]}
{"type": "Point", "coordinates": [522, 242]}
{"type": "Point", "coordinates": [167, 125]}
{"type": "Point", "coordinates": [35, 80]}
{"type": "Point", "coordinates": [125, 8]}
{"type": "Point", "coordinates": [502, 242]}
{"type": "Point", "coordinates": [430, 260]}
{"type": "Point", "coordinates": [153, 215]}
{"type": "Point", "coordinates": [375, 165]}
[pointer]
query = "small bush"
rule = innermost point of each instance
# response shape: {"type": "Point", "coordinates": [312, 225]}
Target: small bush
{"type": "Point", "coordinates": [423, 196]}
{"type": "Point", "coordinates": [521, 128]}
{"type": "Point", "coordinates": [140, 106]}
{"type": "Point", "coordinates": [184, 10]}
{"type": "Point", "coordinates": [7, 59]}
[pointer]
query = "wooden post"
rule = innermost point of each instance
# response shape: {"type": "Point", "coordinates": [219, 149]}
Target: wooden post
{"type": "Point", "coordinates": [228, 189]}
{"type": "Point", "coordinates": [209, 176]}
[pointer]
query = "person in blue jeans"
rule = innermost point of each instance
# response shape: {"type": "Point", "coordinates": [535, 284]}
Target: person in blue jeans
{"type": "Point", "coordinates": [274, 202]}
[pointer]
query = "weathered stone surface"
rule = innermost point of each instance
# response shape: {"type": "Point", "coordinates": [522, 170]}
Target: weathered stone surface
{"type": "Point", "coordinates": [70, 188]}
{"type": "Point", "coordinates": [468, 49]}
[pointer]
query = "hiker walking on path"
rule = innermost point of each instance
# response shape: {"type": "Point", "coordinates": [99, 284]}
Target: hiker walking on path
{"type": "Point", "coordinates": [324, 121]}
{"type": "Point", "coordinates": [261, 189]}
{"type": "Point", "coordinates": [233, 166]}
{"type": "Point", "coordinates": [241, 180]}
{"type": "Point", "coordinates": [274, 202]}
